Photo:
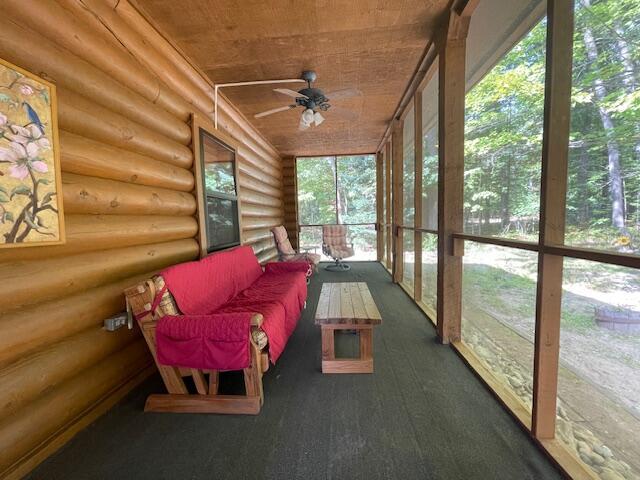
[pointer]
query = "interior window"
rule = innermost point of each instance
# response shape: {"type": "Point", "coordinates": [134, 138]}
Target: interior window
{"type": "Point", "coordinates": [220, 193]}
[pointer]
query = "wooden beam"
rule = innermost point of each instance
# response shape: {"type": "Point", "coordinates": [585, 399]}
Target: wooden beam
{"type": "Point", "coordinates": [379, 206]}
{"type": "Point", "coordinates": [397, 180]}
{"type": "Point", "coordinates": [553, 189]}
{"type": "Point", "coordinates": [417, 196]}
{"type": "Point", "coordinates": [389, 210]}
{"type": "Point", "coordinates": [451, 98]}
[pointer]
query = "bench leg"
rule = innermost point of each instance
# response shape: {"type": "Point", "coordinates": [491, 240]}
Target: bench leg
{"type": "Point", "coordinates": [363, 364]}
{"type": "Point", "coordinates": [328, 347]}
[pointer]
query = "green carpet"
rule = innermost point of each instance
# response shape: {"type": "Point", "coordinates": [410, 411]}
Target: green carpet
{"type": "Point", "coordinates": [421, 415]}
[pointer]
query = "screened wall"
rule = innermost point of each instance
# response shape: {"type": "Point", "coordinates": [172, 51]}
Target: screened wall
{"type": "Point", "coordinates": [544, 252]}
{"type": "Point", "coordinates": [338, 190]}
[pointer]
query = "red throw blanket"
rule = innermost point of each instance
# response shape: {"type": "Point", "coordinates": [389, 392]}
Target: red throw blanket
{"type": "Point", "coordinates": [215, 342]}
{"type": "Point", "coordinates": [217, 296]}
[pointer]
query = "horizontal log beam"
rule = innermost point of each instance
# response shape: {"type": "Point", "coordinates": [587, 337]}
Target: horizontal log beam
{"type": "Point", "coordinates": [32, 376]}
{"type": "Point", "coordinates": [249, 170]}
{"type": "Point", "coordinates": [259, 186]}
{"type": "Point", "coordinates": [256, 211]}
{"type": "Point", "coordinates": [251, 237]}
{"type": "Point", "coordinates": [268, 165]}
{"type": "Point", "coordinates": [88, 233]}
{"type": "Point", "coordinates": [70, 25]}
{"type": "Point", "coordinates": [149, 57]}
{"type": "Point", "coordinates": [26, 283]}
{"type": "Point", "coordinates": [257, 198]}
{"type": "Point", "coordinates": [38, 421]}
{"type": "Point", "coordinates": [35, 53]}
{"type": "Point", "coordinates": [36, 326]}
{"type": "Point", "coordinates": [99, 196]}
{"type": "Point", "coordinates": [260, 224]}
{"type": "Point", "coordinates": [161, 57]}
{"type": "Point", "coordinates": [268, 255]}
{"type": "Point", "coordinates": [87, 157]}
{"type": "Point", "coordinates": [79, 115]}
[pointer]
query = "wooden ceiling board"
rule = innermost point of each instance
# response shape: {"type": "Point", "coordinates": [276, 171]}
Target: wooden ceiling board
{"type": "Point", "coordinates": [371, 45]}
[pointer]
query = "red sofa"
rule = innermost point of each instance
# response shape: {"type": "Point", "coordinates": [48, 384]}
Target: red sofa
{"type": "Point", "coordinates": [216, 298]}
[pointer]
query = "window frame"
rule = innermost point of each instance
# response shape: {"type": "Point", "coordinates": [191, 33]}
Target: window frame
{"type": "Point", "coordinates": [202, 128]}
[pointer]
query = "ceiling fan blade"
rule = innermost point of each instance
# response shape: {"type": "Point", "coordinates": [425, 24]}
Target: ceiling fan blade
{"type": "Point", "coordinates": [343, 112]}
{"type": "Point", "coordinates": [274, 110]}
{"type": "Point", "coordinates": [343, 93]}
{"type": "Point", "coordinates": [289, 92]}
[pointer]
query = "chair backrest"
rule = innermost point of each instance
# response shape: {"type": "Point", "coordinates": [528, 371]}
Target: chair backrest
{"type": "Point", "coordinates": [203, 286]}
{"type": "Point", "coordinates": [334, 235]}
{"type": "Point", "coordinates": [282, 241]}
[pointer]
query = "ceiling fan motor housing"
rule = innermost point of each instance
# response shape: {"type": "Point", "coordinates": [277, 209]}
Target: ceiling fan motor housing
{"type": "Point", "coordinates": [315, 99]}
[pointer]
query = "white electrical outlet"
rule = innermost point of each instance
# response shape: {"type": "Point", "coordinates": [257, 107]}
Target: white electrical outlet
{"type": "Point", "coordinates": [114, 323]}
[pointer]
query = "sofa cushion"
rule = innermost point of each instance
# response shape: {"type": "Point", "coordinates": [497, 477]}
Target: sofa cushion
{"type": "Point", "coordinates": [201, 287]}
{"type": "Point", "coordinates": [279, 297]}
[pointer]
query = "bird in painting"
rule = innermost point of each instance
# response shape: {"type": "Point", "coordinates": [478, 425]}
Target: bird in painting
{"type": "Point", "coordinates": [33, 116]}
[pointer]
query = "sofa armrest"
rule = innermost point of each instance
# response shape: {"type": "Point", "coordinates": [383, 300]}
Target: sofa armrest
{"type": "Point", "coordinates": [285, 267]}
{"type": "Point", "coordinates": [256, 320]}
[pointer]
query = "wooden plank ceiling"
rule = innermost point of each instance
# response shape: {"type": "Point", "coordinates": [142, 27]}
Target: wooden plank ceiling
{"type": "Point", "coordinates": [371, 45]}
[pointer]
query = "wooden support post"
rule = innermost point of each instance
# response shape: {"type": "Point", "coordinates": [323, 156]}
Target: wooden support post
{"type": "Point", "coordinates": [214, 382]}
{"type": "Point", "coordinates": [450, 175]}
{"type": "Point", "coordinates": [553, 189]}
{"type": "Point", "coordinates": [379, 206]}
{"type": "Point", "coordinates": [388, 212]}
{"type": "Point", "coordinates": [398, 263]}
{"type": "Point", "coordinates": [328, 348]}
{"type": "Point", "coordinates": [417, 194]}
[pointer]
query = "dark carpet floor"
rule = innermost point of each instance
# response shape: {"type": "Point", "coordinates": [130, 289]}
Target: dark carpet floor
{"type": "Point", "coordinates": [421, 415]}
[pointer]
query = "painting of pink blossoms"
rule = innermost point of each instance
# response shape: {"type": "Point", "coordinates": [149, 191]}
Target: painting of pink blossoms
{"type": "Point", "coordinates": [30, 186]}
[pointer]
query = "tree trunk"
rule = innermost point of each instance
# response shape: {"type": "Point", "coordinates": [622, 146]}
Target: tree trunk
{"type": "Point", "coordinates": [334, 170]}
{"type": "Point", "coordinates": [629, 79]}
{"type": "Point", "coordinates": [600, 92]}
{"type": "Point", "coordinates": [506, 194]}
{"type": "Point", "coordinates": [583, 175]}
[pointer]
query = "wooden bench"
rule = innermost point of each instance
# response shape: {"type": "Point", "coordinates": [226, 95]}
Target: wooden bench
{"type": "Point", "coordinates": [347, 306]}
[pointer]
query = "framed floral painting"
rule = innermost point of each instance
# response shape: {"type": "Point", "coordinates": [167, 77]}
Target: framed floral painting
{"type": "Point", "coordinates": [30, 184]}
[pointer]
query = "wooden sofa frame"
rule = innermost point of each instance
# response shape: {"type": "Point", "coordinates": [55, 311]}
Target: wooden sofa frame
{"type": "Point", "coordinates": [140, 299]}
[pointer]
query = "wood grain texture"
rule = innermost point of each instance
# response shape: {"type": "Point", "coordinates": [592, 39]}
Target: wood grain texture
{"type": "Point", "coordinates": [34, 424]}
{"type": "Point", "coordinates": [347, 303]}
{"type": "Point", "coordinates": [220, 404]}
{"type": "Point", "coordinates": [450, 177]}
{"type": "Point", "coordinates": [349, 44]}
{"type": "Point", "coordinates": [28, 282]}
{"type": "Point", "coordinates": [34, 52]}
{"type": "Point", "coordinates": [97, 196]}
{"type": "Point", "coordinates": [553, 195]}
{"type": "Point", "coordinates": [87, 157]}
{"type": "Point", "coordinates": [290, 195]}
{"type": "Point", "coordinates": [125, 101]}
{"type": "Point", "coordinates": [397, 196]}
{"type": "Point", "coordinates": [89, 233]}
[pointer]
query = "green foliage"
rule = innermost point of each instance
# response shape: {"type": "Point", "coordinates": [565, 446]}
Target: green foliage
{"type": "Point", "coordinates": [504, 114]}
{"type": "Point", "coordinates": [356, 189]}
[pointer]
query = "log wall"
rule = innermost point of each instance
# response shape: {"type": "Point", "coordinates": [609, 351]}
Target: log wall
{"type": "Point", "coordinates": [125, 99]}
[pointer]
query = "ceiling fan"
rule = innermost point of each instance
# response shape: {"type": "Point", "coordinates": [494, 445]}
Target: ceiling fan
{"type": "Point", "coordinates": [313, 100]}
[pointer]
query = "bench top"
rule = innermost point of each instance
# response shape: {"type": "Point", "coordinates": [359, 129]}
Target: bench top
{"type": "Point", "coordinates": [346, 303]}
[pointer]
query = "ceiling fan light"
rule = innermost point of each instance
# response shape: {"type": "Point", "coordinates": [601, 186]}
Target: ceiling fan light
{"type": "Point", "coordinates": [317, 116]}
{"type": "Point", "coordinates": [307, 117]}
{"type": "Point", "coordinates": [303, 125]}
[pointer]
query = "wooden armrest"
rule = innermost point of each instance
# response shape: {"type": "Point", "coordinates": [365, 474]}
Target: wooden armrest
{"type": "Point", "coordinates": [257, 319]}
